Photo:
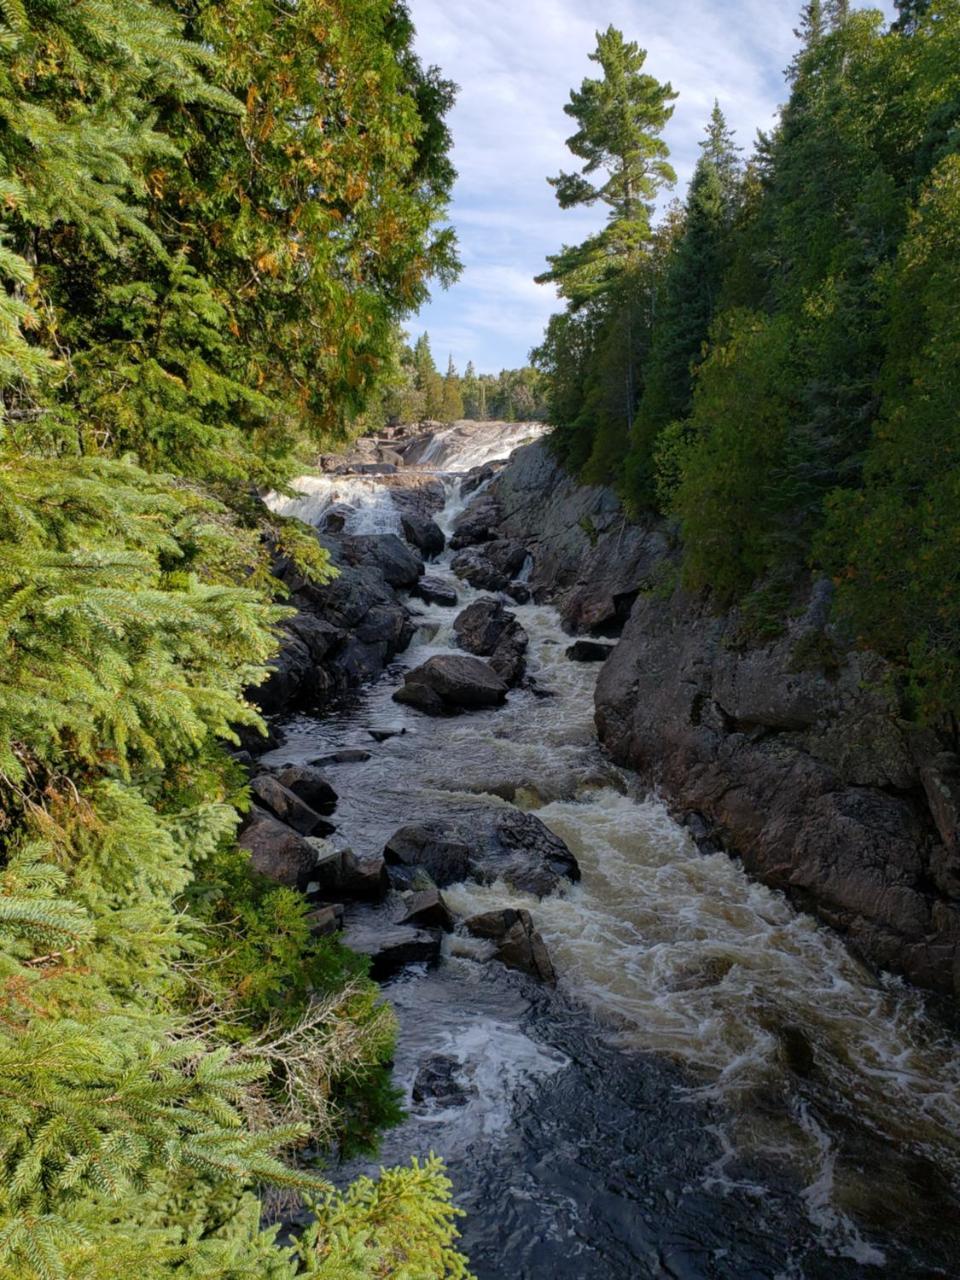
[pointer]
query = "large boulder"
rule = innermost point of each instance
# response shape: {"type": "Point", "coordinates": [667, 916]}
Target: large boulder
{"type": "Point", "coordinates": [478, 523]}
{"type": "Point", "coordinates": [449, 683]}
{"type": "Point", "coordinates": [398, 563]}
{"type": "Point", "coordinates": [277, 799]}
{"type": "Point", "coordinates": [517, 941]}
{"type": "Point", "coordinates": [492, 566]}
{"type": "Point", "coordinates": [310, 785]}
{"type": "Point", "coordinates": [488, 630]}
{"type": "Point", "coordinates": [428, 910]}
{"type": "Point", "coordinates": [589, 651]}
{"type": "Point", "coordinates": [392, 948]}
{"type": "Point", "coordinates": [491, 844]}
{"type": "Point", "coordinates": [277, 851]}
{"type": "Point", "coordinates": [436, 847]}
{"type": "Point", "coordinates": [436, 591]}
{"type": "Point", "coordinates": [424, 534]}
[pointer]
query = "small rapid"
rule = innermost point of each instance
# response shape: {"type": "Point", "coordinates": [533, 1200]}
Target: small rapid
{"type": "Point", "coordinates": [719, 1088]}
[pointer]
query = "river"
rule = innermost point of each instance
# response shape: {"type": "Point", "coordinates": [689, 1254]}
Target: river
{"type": "Point", "coordinates": [717, 1088]}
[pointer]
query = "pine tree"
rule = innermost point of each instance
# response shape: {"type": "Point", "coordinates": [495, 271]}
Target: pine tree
{"type": "Point", "coordinates": [471, 389]}
{"type": "Point", "coordinates": [452, 407]}
{"type": "Point", "coordinates": [427, 379]}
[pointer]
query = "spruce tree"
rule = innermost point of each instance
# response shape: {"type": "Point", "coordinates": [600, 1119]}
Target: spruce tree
{"type": "Point", "coordinates": [452, 409]}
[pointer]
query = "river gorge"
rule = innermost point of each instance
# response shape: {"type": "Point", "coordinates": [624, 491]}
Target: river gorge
{"type": "Point", "coordinates": [718, 1086]}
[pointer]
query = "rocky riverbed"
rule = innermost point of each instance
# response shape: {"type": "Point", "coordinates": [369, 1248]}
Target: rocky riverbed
{"type": "Point", "coordinates": [637, 1059]}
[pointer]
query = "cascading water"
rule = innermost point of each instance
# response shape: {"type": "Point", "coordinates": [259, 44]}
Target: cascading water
{"type": "Point", "coordinates": [718, 1089]}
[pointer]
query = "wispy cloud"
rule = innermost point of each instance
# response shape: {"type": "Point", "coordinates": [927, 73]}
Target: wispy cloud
{"type": "Point", "coordinates": [515, 62]}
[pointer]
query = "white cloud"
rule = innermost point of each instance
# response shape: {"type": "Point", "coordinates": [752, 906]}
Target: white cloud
{"type": "Point", "coordinates": [515, 62]}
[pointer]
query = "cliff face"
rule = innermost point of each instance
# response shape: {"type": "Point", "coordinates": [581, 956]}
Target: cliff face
{"type": "Point", "coordinates": [791, 755]}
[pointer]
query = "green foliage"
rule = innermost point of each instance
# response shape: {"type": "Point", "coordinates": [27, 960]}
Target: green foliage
{"type": "Point", "coordinates": [795, 369]}
{"type": "Point", "coordinates": [401, 1226]}
{"type": "Point", "coordinates": [183, 312]}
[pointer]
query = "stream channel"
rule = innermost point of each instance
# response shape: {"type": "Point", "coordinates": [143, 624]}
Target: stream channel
{"type": "Point", "coordinates": [718, 1088]}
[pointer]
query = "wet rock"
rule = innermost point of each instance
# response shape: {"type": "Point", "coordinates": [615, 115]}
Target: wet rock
{"type": "Point", "coordinates": [492, 566]}
{"type": "Point", "coordinates": [312, 786]}
{"type": "Point", "coordinates": [448, 683]}
{"type": "Point", "coordinates": [288, 807]}
{"type": "Point", "coordinates": [409, 879]}
{"type": "Point", "coordinates": [436, 847]}
{"type": "Point", "coordinates": [427, 909]}
{"type": "Point", "coordinates": [349, 755]}
{"type": "Point", "coordinates": [385, 734]}
{"type": "Point", "coordinates": [488, 845]}
{"type": "Point", "coordinates": [277, 851]}
{"type": "Point", "coordinates": [519, 592]}
{"type": "Point", "coordinates": [703, 833]}
{"type": "Point", "coordinates": [478, 476]}
{"type": "Point", "coordinates": [399, 565]}
{"type": "Point", "coordinates": [488, 630]}
{"type": "Point", "coordinates": [589, 651]}
{"type": "Point", "coordinates": [518, 944]}
{"type": "Point", "coordinates": [797, 1050]}
{"type": "Point", "coordinates": [440, 1080]}
{"type": "Point", "coordinates": [363, 879]}
{"type": "Point", "coordinates": [436, 591]}
{"type": "Point", "coordinates": [392, 948]}
{"type": "Point", "coordinates": [477, 524]}
{"type": "Point", "coordinates": [324, 921]}
{"type": "Point", "coordinates": [803, 769]}
{"type": "Point", "coordinates": [424, 534]}
{"type": "Point", "coordinates": [372, 469]}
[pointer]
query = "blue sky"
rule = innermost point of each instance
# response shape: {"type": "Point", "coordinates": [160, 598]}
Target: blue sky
{"type": "Point", "coordinates": [515, 62]}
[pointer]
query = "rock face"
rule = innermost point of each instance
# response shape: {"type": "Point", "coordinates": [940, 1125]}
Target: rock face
{"type": "Point", "coordinates": [488, 630]}
{"type": "Point", "coordinates": [789, 754]}
{"type": "Point", "coordinates": [494, 844]}
{"type": "Point", "coordinates": [447, 684]}
{"type": "Point", "coordinates": [588, 559]}
{"type": "Point", "coordinates": [795, 754]}
{"type": "Point", "coordinates": [424, 534]}
{"type": "Point", "coordinates": [519, 945]}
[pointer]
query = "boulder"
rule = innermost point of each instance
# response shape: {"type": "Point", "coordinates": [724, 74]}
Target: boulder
{"type": "Point", "coordinates": [473, 567]}
{"type": "Point", "coordinates": [427, 909]}
{"type": "Point", "coordinates": [424, 534]}
{"type": "Point", "coordinates": [589, 651]}
{"type": "Point", "coordinates": [399, 565]}
{"type": "Point", "coordinates": [277, 851]}
{"type": "Point", "coordinates": [406, 879]}
{"type": "Point", "coordinates": [490, 844]}
{"type": "Point", "coordinates": [478, 523]}
{"type": "Point", "coordinates": [363, 879]}
{"type": "Point", "coordinates": [476, 477]}
{"type": "Point", "coordinates": [436, 591]}
{"type": "Point", "coordinates": [449, 683]}
{"type": "Point", "coordinates": [518, 944]}
{"type": "Point", "coordinates": [436, 847]}
{"type": "Point", "coordinates": [284, 804]}
{"type": "Point", "coordinates": [350, 755]}
{"type": "Point", "coordinates": [324, 921]}
{"type": "Point", "coordinates": [488, 630]}
{"type": "Point", "coordinates": [439, 1080]}
{"type": "Point", "coordinates": [392, 948]}
{"type": "Point", "coordinates": [307, 782]}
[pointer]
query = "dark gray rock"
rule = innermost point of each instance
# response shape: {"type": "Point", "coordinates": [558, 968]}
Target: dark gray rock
{"type": "Point", "coordinates": [288, 807]}
{"type": "Point", "coordinates": [436, 591]}
{"type": "Point", "coordinates": [392, 948]}
{"type": "Point", "coordinates": [478, 523]}
{"type": "Point", "coordinates": [794, 753]}
{"type": "Point", "coordinates": [277, 851]}
{"type": "Point", "coordinates": [399, 565]}
{"type": "Point", "coordinates": [449, 683]}
{"type": "Point", "coordinates": [478, 476]}
{"type": "Point", "coordinates": [589, 651]}
{"type": "Point", "coordinates": [312, 786]}
{"type": "Point", "coordinates": [440, 1080]}
{"type": "Point", "coordinates": [518, 944]}
{"type": "Point", "coordinates": [436, 847]}
{"type": "Point", "coordinates": [491, 844]}
{"type": "Point", "coordinates": [424, 534]}
{"type": "Point", "coordinates": [488, 630]}
{"type": "Point", "coordinates": [324, 921]}
{"type": "Point", "coordinates": [363, 879]}
{"type": "Point", "coordinates": [427, 909]}
{"type": "Point", "coordinates": [492, 566]}
{"type": "Point", "coordinates": [349, 755]}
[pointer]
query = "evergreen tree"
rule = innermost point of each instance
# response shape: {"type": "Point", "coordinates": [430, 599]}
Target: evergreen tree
{"type": "Point", "coordinates": [427, 379]}
{"type": "Point", "coordinates": [452, 409]}
{"type": "Point", "coordinates": [471, 389]}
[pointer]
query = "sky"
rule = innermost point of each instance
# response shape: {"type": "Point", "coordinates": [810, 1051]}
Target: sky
{"type": "Point", "coordinates": [516, 62]}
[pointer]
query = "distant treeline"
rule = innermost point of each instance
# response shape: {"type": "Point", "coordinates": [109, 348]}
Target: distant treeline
{"type": "Point", "coordinates": [418, 392]}
{"type": "Point", "coordinates": [776, 363]}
